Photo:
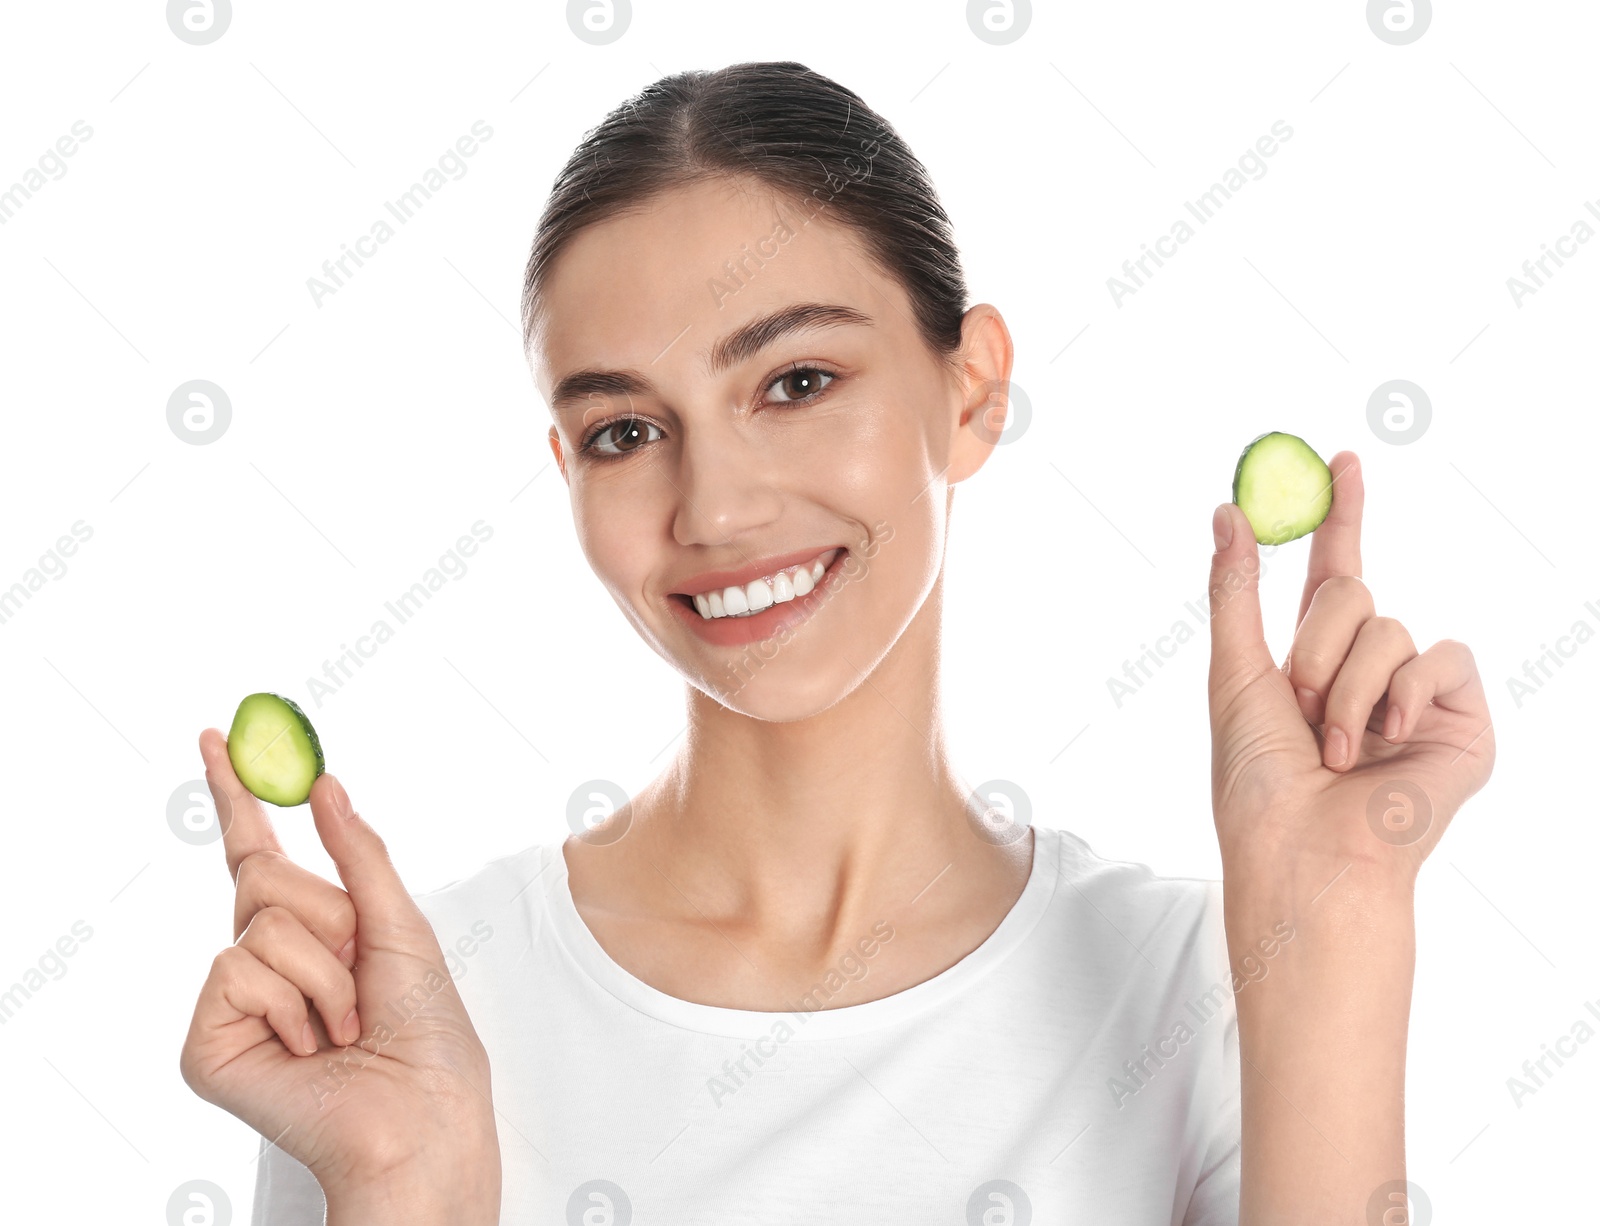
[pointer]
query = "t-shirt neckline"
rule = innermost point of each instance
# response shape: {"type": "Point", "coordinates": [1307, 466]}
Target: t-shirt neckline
{"type": "Point", "coordinates": [598, 965]}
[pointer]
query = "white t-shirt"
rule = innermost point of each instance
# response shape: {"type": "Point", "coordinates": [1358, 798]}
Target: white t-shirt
{"type": "Point", "coordinates": [1081, 1065]}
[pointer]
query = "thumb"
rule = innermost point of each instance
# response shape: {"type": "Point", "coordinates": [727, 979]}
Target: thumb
{"type": "Point", "coordinates": [380, 898]}
{"type": "Point", "coordinates": [1239, 653]}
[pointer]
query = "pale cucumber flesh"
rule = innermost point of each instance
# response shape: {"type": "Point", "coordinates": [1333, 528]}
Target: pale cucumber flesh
{"type": "Point", "coordinates": [274, 749]}
{"type": "Point", "coordinates": [1283, 487]}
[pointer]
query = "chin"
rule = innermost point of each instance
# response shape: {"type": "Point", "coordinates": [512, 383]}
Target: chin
{"type": "Point", "coordinates": [781, 691]}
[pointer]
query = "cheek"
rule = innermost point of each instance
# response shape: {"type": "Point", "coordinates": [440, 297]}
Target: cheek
{"type": "Point", "coordinates": [892, 475]}
{"type": "Point", "coordinates": [876, 467]}
{"type": "Point", "coordinates": [873, 456]}
{"type": "Point", "coordinates": [610, 523]}
{"type": "Point", "coordinates": [892, 571]}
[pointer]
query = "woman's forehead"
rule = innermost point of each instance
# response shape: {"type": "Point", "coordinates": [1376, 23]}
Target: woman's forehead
{"type": "Point", "coordinates": [669, 280]}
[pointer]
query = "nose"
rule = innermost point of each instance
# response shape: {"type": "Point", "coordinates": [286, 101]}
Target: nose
{"type": "Point", "coordinates": [726, 486]}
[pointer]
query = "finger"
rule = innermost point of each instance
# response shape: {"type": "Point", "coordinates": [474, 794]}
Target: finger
{"type": "Point", "coordinates": [1239, 653]}
{"type": "Point", "coordinates": [241, 985]}
{"type": "Point", "coordinates": [271, 879]}
{"type": "Point", "coordinates": [1381, 647]}
{"type": "Point", "coordinates": [1445, 675]}
{"type": "Point", "coordinates": [281, 941]}
{"type": "Point", "coordinates": [245, 827]}
{"type": "Point", "coordinates": [1327, 632]}
{"type": "Point", "coordinates": [383, 907]}
{"type": "Point", "coordinates": [1336, 544]}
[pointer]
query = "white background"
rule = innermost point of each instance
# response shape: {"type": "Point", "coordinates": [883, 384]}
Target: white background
{"type": "Point", "coordinates": [368, 433]}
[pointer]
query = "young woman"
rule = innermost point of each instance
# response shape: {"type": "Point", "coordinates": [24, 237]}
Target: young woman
{"type": "Point", "coordinates": [808, 973]}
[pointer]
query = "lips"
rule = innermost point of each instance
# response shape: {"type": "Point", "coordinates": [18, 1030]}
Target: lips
{"type": "Point", "coordinates": [771, 620]}
{"type": "Point", "coordinates": [746, 600]}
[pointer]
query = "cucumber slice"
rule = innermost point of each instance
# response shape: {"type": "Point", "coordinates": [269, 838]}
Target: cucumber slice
{"type": "Point", "coordinates": [1282, 486]}
{"type": "Point", "coordinates": [274, 749]}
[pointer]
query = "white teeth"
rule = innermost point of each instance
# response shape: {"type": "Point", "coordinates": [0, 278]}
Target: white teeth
{"type": "Point", "coordinates": [743, 600]}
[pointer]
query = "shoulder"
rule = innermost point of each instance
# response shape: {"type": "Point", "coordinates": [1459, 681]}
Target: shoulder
{"type": "Point", "coordinates": [508, 891]}
{"type": "Point", "coordinates": [1137, 913]}
{"type": "Point", "coordinates": [1126, 883]}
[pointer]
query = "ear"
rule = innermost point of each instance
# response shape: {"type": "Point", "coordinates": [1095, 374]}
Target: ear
{"type": "Point", "coordinates": [984, 390]}
{"type": "Point", "coordinates": [555, 448]}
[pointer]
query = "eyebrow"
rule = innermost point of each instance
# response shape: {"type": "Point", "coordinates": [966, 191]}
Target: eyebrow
{"type": "Point", "coordinates": [743, 342]}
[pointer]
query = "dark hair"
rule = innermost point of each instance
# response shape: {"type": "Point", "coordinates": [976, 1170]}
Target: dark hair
{"type": "Point", "coordinates": [795, 131]}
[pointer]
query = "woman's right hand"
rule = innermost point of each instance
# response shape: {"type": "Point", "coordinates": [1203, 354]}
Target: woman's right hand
{"type": "Point", "coordinates": [399, 1123]}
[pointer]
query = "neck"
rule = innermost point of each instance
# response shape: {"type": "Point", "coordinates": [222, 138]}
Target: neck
{"type": "Point", "coordinates": [815, 828]}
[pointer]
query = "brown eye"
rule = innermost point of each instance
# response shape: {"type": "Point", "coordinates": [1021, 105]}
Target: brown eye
{"type": "Point", "coordinates": [629, 433]}
{"type": "Point", "coordinates": [802, 383]}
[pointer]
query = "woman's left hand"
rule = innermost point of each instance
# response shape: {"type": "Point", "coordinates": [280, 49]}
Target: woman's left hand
{"type": "Point", "coordinates": [1358, 749]}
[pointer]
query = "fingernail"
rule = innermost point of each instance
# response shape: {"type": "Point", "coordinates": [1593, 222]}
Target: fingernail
{"type": "Point", "coordinates": [1391, 723]}
{"type": "Point", "coordinates": [308, 1039]}
{"type": "Point", "coordinates": [1221, 526]}
{"type": "Point", "coordinates": [341, 799]}
{"type": "Point", "coordinates": [1308, 703]}
{"type": "Point", "coordinates": [352, 1028]}
{"type": "Point", "coordinates": [1338, 747]}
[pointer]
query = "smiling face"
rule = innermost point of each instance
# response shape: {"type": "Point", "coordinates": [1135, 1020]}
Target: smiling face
{"type": "Point", "coordinates": [715, 429]}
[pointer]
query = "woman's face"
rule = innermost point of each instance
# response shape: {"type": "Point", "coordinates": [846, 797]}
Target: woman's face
{"type": "Point", "coordinates": [703, 448]}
